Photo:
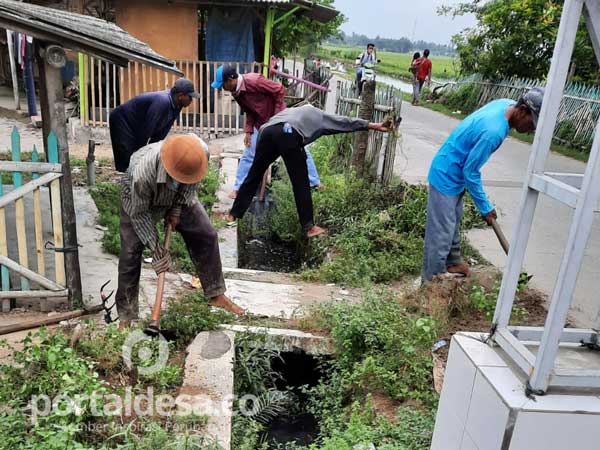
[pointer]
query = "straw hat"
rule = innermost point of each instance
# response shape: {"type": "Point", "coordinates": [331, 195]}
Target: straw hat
{"type": "Point", "coordinates": [185, 158]}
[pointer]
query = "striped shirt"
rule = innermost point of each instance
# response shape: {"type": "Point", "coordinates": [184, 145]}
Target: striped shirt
{"type": "Point", "coordinates": [149, 194]}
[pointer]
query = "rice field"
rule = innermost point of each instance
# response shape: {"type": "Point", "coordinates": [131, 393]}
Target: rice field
{"type": "Point", "coordinates": [392, 64]}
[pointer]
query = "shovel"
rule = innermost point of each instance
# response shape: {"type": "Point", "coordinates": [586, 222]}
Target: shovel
{"type": "Point", "coordinates": [153, 328]}
{"type": "Point", "coordinates": [524, 276]}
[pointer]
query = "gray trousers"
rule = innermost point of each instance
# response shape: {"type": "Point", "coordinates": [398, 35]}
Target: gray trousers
{"type": "Point", "coordinates": [442, 233]}
{"type": "Point", "coordinates": [202, 243]}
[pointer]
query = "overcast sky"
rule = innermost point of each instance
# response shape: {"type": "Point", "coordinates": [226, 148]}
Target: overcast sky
{"type": "Point", "coordinates": [396, 19]}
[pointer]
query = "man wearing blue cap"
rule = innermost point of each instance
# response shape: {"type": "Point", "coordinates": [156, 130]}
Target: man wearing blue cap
{"type": "Point", "coordinates": [456, 168]}
{"type": "Point", "coordinates": [260, 99]}
{"type": "Point", "coordinates": [147, 118]}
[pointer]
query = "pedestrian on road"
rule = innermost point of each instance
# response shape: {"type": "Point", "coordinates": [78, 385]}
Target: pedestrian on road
{"type": "Point", "coordinates": [423, 74]}
{"type": "Point", "coordinates": [147, 118]}
{"type": "Point", "coordinates": [162, 182]}
{"type": "Point", "coordinates": [456, 167]}
{"type": "Point", "coordinates": [260, 99]}
{"type": "Point", "coordinates": [414, 69]}
{"type": "Point", "coordinates": [286, 134]}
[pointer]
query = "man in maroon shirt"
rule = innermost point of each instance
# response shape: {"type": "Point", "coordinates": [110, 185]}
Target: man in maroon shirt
{"type": "Point", "coordinates": [260, 99]}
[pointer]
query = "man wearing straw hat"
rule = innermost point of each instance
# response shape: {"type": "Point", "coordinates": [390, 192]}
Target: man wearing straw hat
{"type": "Point", "coordinates": [162, 182]}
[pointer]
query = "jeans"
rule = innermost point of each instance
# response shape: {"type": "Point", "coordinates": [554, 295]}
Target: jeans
{"type": "Point", "coordinates": [273, 143]}
{"type": "Point", "coordinates": [248, 156]}
{"type": "Point", "coordinates": [202, 244]}
{"type": "Point", "coordinates": [442, 233]}
{"type": "Point", "coordinates": [417, 88]}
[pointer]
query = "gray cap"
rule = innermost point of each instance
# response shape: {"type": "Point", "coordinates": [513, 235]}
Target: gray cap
{"type": "Point", "coordinates": [185, 86]}
{"type": "Point", "coordinates": [533, 100]}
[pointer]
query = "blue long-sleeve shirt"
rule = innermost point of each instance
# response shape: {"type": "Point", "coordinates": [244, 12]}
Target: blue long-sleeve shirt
{"type": "Point", "coordinates": [457, 165]}
{"type": "Point", "coordinates": [145, 119]}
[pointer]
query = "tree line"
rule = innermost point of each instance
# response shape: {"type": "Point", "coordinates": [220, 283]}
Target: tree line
{"type": "Point", "coordinates": [516, 38]}
{"type": "Point", "coordinates": [401, 45]}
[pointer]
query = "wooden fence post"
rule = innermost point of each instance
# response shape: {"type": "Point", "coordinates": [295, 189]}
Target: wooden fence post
{"type": "Point", "coordinates": [4, 275]}
{"type": "Point", "coordinates": [361, 139]}
{"type": "Point", "coordinates": [20, 209]}
{"type": "Point", "coordinates": [52, 59]}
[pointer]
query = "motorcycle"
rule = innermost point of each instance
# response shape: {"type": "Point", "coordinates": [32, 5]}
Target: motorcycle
{"type": "Point", "coordinates": [368, 74]}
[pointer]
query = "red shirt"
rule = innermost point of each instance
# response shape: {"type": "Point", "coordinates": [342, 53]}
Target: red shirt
{"type": "Point", "coordinates": [424, 69]}
{"type": "Point", "coordinates": [260, 99]}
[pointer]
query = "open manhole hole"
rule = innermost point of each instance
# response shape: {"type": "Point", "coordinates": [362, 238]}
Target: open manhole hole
{"type": "Point", "coordinates": [280, 382]}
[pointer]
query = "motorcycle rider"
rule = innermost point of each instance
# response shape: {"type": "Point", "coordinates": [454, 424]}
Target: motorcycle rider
{"type": "Point", "coordinates": [368, 57]}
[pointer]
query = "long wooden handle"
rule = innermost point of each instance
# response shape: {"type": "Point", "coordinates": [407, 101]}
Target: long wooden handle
{"type": "Point", "coordinates": [160, 287]}
{"type": "Point", "coordinates": [500, 235]}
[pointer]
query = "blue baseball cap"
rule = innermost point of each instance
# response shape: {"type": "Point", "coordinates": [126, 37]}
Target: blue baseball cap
{"type": "Point", "coordinates": [224, 72]}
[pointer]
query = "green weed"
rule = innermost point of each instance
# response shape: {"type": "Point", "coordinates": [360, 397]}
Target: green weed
{"type": "Point", "coordinates": [485, 300]}
{"type": "Point", "coordinates": [375, 233]}
{"type": "Point", "coordinates": [190, 315]}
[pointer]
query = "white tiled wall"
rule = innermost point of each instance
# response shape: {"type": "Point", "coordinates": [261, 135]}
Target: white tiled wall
{"type": "Point", "coordinates": [449, 433]}
{"type": "Point", "coordinates": [467, 443]}
{"type": "Point", "coordinates": [488, 415]}
{"type": "Point", "coordinates": [479, 391]}
{"type": "Point", "coordinates": [458, 382]}
{"type": "Point", "coordinates": [554, 431]}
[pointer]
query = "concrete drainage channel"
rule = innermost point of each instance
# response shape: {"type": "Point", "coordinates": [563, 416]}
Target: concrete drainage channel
{"type": "Point", "coordinates": [209, 375]}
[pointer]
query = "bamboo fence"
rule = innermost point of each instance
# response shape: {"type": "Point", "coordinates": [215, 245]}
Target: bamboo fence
{"type": "Point", "coordinates": [578, 115]}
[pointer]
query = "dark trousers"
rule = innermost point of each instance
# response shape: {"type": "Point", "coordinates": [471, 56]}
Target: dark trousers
{"type": "Point", "coordinates": [202, 244]}
{"type": "Point", "coordinates": [273, 143]}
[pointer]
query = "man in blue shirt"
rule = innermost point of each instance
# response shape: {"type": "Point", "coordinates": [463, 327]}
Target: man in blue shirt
{"type": "Point", "coordinates": [457, 167]}
{"type": "Point", "coordinates": [147, 118]}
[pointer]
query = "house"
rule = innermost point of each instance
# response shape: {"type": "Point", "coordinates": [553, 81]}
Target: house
{"type": "Point", "coordinates": [199, 35]}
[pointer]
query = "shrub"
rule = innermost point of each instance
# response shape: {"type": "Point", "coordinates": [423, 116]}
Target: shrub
{"type": "Point", "coordinates": [46, 366]}
{"type": "Point", "coordinates": [375, 233]}
{"type": "Point", "coordinates": [190, 315]}
{"type": "Point", "coordinates": [464, 98]}
{"type": "Point", "coordinates": [381, 347]}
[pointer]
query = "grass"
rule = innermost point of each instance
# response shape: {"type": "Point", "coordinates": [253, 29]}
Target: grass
{"type": "Point", "coordinates": [84, 366]}
{"type": "Point", "coordinates": [378, 239]}
{"type": "Point", "coordinates": [392, 64]}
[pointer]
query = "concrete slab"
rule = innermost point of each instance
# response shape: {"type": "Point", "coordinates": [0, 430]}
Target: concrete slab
{"type": "Point", "coordinates": [266, 299]}
{"type": "Point", "coordinates": [97, 266]}
{"type": "Point", "coordinates": [228, 170]}
{"type": "Point", "coordinates": [208, 382]}
{"type": "Point", "coordinates": [287, 340]}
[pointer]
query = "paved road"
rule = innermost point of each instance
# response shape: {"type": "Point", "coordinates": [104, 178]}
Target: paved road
{"type": "Point", "coordinates": [424, 131]}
